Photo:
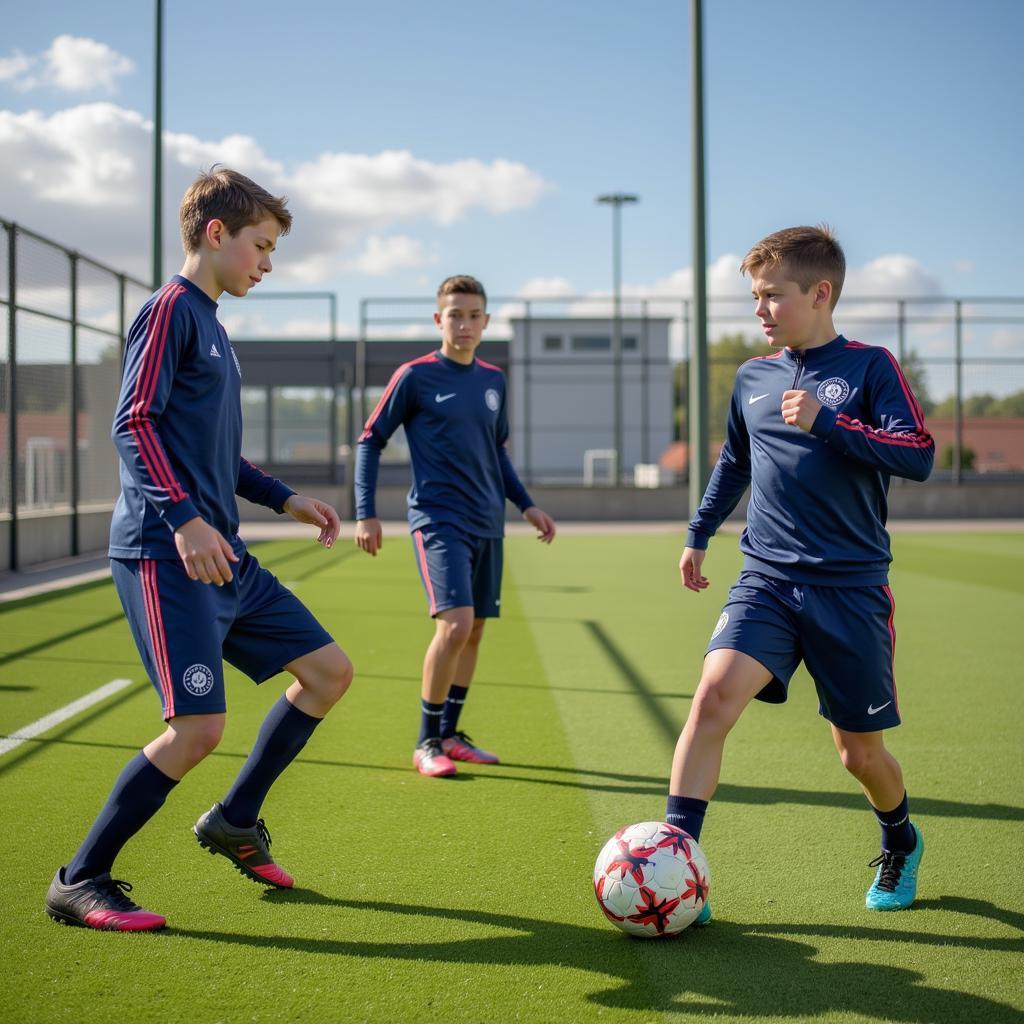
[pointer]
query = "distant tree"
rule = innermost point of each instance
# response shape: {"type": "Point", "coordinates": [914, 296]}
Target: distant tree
{"type": "Point", "coordinates": [984, 405]}
{"type": "Point", "coordinates": [966, 457]}
{"type": "Point", "coordinates": [917, 377]}
{"type": "Point", "coordinates": [724, 357]}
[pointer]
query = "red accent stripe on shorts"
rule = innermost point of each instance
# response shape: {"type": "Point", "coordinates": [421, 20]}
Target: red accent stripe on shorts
{"type": "Point", "coordinates": [155, 619]}
{"type": "Point", "coordinates": [421, 552]}
{"type": "Point", "coordinates": [892, 640]}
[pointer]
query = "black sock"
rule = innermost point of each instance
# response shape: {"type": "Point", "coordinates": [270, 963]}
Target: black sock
{"type": "Point", "coordinates": [686, 813]}
{"type": "Point", "coordinates": [138, 793]}
{"type": "Point", "coordinates": [282, 735]}
{"type": "Point", "coordinates": [430, 721]}
{"type": "Point", "coordinates": [452, 707]}
{"type": "Point", "coordinates": [897, 832]}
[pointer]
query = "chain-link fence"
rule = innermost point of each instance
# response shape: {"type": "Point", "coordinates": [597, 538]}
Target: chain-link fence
{"type": "Point", "coordinates": [62, 321]}
{"type": "Point", "coordinates": [592, 400]}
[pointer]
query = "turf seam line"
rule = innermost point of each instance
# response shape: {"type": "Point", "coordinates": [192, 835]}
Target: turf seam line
{"type": "Point", "coordinates": [41, 725]}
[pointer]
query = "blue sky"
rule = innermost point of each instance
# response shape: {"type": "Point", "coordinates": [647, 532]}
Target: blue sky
{"type": "Point", "coordinates": [897, 122]}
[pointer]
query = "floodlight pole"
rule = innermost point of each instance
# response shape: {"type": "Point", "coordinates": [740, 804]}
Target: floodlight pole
{"type": "Point", "coordinates": [158, 139]}
{"type": "Point", "coordinates": [616, 200]}
{"type": "Point", "coordinates": [698, 412]}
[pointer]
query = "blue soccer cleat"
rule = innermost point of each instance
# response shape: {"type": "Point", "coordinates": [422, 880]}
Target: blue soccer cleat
{"type": "Point", "coordinates": [895, 885]}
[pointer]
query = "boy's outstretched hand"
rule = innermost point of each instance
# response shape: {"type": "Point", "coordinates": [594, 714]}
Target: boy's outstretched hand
{"type": "Point", "coordinates": [542, 521]}
{"type": "Point", "coordinates": [319, 513]}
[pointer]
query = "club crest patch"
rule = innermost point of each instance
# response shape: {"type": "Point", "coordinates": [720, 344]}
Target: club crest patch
{"type": "Point", "coordinates": [492, 399]}
{"type": "Point", "coordinates": [723, 621]}
{"type": "Point", "coordinates": [198, 680]}
{"type": "Point", "coordinates": [833, 392]}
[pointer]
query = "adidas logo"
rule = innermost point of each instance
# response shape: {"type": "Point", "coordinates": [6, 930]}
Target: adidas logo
{"type": "Point", "coordinates": [213, 351]}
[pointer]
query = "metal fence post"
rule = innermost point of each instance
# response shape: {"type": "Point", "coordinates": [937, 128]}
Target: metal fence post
{"type": "Point", "coordinates": [901, 331]}
{"type": "Point", "coordinates": [73, 403]}
{"type": "Point", "coordinates": [12, 389]}
{"type": "Point", "coordinates": [645, 369]}
{"type": "Point", "coordinates": [527, 423]}
{"type": "Point", "coordinates": [958, 411]}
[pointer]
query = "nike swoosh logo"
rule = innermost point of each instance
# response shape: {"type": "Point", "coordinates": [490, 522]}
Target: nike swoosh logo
{"type": "Point", "coordinates": [757, 398]}
{"type": "Point", "coordinates": [872, 710]}
{"type": "Point", "coordinates": [444, 398]}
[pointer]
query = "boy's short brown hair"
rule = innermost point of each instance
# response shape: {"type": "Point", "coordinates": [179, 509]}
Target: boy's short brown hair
{"type": "Point", "coordinates": [807, 255]}
{"type": "Point", "coordinates": [225, 195]}
{"type": "Point", "coordinates": [461, 284]}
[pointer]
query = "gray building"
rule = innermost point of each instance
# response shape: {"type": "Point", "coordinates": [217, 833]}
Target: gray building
{"type": "Point", "coordinates": [562, 383]}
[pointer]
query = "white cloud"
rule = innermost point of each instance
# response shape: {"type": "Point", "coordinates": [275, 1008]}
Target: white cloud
{"type": "Point", "coordinates": [82, 176]}
{"type": "Point", "coordinates": [71, 64]}
{"type": "Point", "coordinates": [16, 70]}
{"type": "Point", "coordinates": [547, 288]}
{"type": "Point", "coordinates": [394, 184]}
{"type": "Point", "coordinates": [383, 255]}
{"type": "Point", "coordinates": [75, 64]}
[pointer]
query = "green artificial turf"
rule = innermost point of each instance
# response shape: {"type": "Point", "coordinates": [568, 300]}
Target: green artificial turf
{"type": "Point", "coordinates": [469, 900]}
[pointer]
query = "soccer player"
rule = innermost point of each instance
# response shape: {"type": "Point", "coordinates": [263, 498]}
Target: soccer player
{"type": "Point", "coordinates": [452, 406]}
{"type": "Point", "coordinates": [191, 591]}
{"type": "Point", "coordinates": [817, 429]}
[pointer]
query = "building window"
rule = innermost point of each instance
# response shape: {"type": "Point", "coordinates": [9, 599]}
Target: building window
{"type": "Point", "coordinates": [600, 343]}
{"type": "Point", "coordinates": [552, 343]}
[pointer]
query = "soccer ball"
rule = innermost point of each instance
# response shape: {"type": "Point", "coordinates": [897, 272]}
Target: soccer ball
{"type": "Point", "coordinates": [651, 879]}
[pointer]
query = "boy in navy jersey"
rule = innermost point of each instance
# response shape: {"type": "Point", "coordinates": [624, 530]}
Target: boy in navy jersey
{"type": "Point", "coordinates": [191, 592]}
{"type": "Point", "coordinates": [816, 429]}
{"type": "Point", "coordinates": [452, 406]}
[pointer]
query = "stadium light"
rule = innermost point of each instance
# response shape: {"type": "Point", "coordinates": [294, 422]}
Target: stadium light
{"type": "Point", "coordinates": [617, 200]}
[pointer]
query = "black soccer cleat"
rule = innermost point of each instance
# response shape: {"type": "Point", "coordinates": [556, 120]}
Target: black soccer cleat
{"type": "Point", "coordinates": [247, 848]}
{"type": "Point", "coordinates": [99, 902]}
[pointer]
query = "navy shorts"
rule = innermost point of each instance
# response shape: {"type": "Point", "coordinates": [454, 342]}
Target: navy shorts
{"type": "Point", "coordinates": [844, 635]}
{"type": "Point", "coordinates": [459, 570]}
{"type": "Point", "coordinates": [184, 629]}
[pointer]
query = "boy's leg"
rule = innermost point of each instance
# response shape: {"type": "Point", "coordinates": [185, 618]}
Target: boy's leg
{"type": "Point", "coordinates": [83, 893]}
{"type": "Point", "coordinates": [272, 632]}
{"type": "Point", "coordinates": [321, 679]}
{"type": "Point", "coordinates": [452, 629]}
{"type": "Point", "coordinates": [456, 743]}
{"type": "Point", "coordinates": [729, 682]}
{"type": "Point", "coordinates": [487, 564]}
{"type": "Point", "coordinates": [865, 757]}
{"type": "Point", "coordinates": [174, 622]}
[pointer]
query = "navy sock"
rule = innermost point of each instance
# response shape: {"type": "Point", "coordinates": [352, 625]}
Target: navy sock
{"type": "Point", "coordinates": [282, 735]}
{"type": "Point", "coordinates": [430, 721]}
{"type": "Point", "coordinates": [138, 793]}
{"type": "Point", "coordinates": [687, 813]}
{"type": "Point", "coordinates": [452, 707]}
{"type": "Point", "coordinates": [897, 832]}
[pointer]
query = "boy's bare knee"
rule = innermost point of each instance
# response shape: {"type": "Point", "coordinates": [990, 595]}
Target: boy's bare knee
{"type": "Point", "coordinates": [330, 678]}
{"type": "Point", "coordinates": [199, 737]}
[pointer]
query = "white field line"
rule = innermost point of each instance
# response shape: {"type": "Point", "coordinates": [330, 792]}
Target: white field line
{"type": "Point", "coordinates": [15, 739]}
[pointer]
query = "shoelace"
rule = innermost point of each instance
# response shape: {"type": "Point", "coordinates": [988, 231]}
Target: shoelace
{"type": "Point", "coordinates": [432, 747]}
{"type": "Point", "coordinates": [116, 890]}
{"type": "Point", "coordinates": [263, 832]}
{"type": "Point", "coordinates": [463, 737]}
{"type": "Point", "coordinates": [892, 868]}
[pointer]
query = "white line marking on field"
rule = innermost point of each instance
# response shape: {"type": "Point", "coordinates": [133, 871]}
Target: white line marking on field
{"type": "Point", "coordinates": [15, 739]}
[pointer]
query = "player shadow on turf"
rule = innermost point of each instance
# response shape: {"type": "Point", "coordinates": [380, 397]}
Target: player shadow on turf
{"type": "Point", "coordinates": [728, 968]}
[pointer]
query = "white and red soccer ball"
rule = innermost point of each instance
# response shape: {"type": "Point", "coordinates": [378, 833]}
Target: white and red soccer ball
{"type": "Point", "coordinates": [651, 879]}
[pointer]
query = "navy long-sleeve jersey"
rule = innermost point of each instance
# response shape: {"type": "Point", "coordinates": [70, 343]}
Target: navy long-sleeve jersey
{"type": "Point", "coordinates": [178, 428]}
{"type": "Point", "coordinates": [456, 424]}
{"type": "Point", "coordinates": [818, 500]}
